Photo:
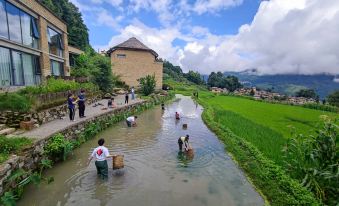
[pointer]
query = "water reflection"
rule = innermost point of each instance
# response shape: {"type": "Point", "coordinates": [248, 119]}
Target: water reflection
{"type": "Point", "coordinates": [155, 173]}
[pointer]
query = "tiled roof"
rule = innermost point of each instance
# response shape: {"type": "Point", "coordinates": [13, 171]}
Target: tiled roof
{"type": "Point", "coordinates": [132, 44]}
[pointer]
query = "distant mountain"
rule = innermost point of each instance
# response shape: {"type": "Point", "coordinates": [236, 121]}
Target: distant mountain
{"type": "Point", "coordinates": [323, 84]}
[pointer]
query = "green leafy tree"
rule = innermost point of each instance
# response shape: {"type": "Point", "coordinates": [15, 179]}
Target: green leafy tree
{"type": "Point", "coordinates": [147, 84]}
{"type": "Point", "coordinates": [102, 73]}
{"type": "Point", "coordinates": [307, 93]}
{"type": "Point", "coordinates": [231, 83]}
{"type": "Point", "coordinates": [67, 11]}
{"type": "Point", "coordinates": [194, 77]}
{"type": "Point", "coordinates": [215, 79]}
{"type": "Point", "coordinates": [333, 98]}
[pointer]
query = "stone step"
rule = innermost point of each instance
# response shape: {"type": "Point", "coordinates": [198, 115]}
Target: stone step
{"type": "Point", "coordinates": [2, 126]}
{"type": "Point", "coordinates": [7, 131]}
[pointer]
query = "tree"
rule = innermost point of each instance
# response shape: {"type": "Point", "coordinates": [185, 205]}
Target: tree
{"type": "Point", "coordinates": [333, 98]}
{"type": "Point", "coordinates": [215, 79]}
{"type": "Point", "coordinates": [67, 11]}
{"type": "Point", "coordinates": [231, 83]}
{"type": "Point", "coordinates": [102, 72]}
{"type": "Point", "coordinates": [147, 84]}
{"type": "Point", "coordinates": [307, 93]}
{"type": "Point", "coordinates": [194, 77]}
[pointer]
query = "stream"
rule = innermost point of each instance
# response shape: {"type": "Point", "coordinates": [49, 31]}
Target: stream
{"type": "Point", "coordinates": [155, 172]}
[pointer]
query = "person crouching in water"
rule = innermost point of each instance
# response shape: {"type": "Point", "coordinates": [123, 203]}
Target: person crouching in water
{"type": "Point", "coordinates": [131, 121]}
{"type": "Point", "coordinates": [183, 141]}
{"type": "Point", "coordinates": [110, 103]}
{"type": "Point", "coordinates": [100, 154]}
{"type": "Point", "coordinates": [177, 116]}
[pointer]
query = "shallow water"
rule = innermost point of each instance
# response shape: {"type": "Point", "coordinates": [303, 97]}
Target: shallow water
{"type": "Point", "coordinates": [155, 173]}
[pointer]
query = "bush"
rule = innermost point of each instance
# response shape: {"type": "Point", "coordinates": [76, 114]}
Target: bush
{"type": "Point", "coordinates": [11, 145]}
{"type": "Point", "coordinates": [58, 147]}
{"type": "Point", "coordinates": [147, 84]}
{"type": "Point", "coordinates": [314, 161]}
{"type": "Point", "coordinates": [56, 85]}
{"type": "Point", "coordinates": [14, 102]}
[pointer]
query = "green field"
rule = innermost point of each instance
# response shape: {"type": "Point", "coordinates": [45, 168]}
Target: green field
{"type": "Point", "coordinates": [267, 126]}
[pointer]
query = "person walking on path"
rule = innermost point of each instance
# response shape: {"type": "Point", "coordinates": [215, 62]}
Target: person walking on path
{"type": "Point", "coordinates": [126, 98]}
{"type": "Point", "coordinates": [132, 93]}
{"type": "Point", "coordinates": [131, 121]}
{"type": "Point", "coordinates": [100, 154]}
{"type": "Point", "coordinates": [71, 106]}
{"type": "Point", "coordinates": [81, 103]}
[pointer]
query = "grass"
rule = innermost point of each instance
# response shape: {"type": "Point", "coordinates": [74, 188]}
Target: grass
{"type": "Point", "coordinates": [277, 117]}
{"type": "Point", "coordinates": [14, 102]}
{"type": "Point", "coordinates": [12, 145]}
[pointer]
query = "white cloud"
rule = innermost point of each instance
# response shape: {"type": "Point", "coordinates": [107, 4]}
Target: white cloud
{"type": "Point", "coordinates": [105, 18]}
{"type": "Point", "coordinates": [285, 36]}
{"type": "Point", "coordinates": [202, 6]}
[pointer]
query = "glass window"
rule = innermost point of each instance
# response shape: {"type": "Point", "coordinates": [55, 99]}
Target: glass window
{"type": "Point", "coordinates": [57, 68]}
{"type": "Point", "coordinates": [13, 15]}
{"type": "Point", "coordinates": [17, 68]}
{"type": "Point", "coordinates": [5, 67]}
{"type": "Point", "coordinates": [29, 73]}
{"type": "Point", "coordinates": [26, 29]}
{"type": "Point", "coordinates": [121, 56]}
{"type": "Point", "coordinates": [54, 42]}
{"type": "Point", "coordinates": [3, 20]}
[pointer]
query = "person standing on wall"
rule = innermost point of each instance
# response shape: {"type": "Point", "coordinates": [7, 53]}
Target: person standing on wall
{"type": "Point", "coordinates": [81, 103]}
{"type": "Point", "coordinates": [71, 102]}
{"type": "Point", "coordinates": [132, 93]}
{"type": "Point", "coordinates": [126, 98]}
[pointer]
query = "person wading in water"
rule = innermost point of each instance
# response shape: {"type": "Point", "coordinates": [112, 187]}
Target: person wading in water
{"type": "Point", "coordinates": [100, 154]}
{"type": "Point", "coordinates": [183, 141]}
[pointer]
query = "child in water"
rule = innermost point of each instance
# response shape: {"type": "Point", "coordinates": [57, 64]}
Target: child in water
{"type": "Point", "coordinates": [177, 116]}
{"type": "Point", "coordinates": [100, 154]}
{"type": "Point", "coordinates": [110, 103]}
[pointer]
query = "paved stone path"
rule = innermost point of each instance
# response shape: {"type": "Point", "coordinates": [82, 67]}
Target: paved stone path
{"type": "Point", "coordinates": [57, 125]}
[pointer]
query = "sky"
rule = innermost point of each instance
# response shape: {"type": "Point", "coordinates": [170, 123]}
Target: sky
{"type": "Point", "coordinates": [271, 36]}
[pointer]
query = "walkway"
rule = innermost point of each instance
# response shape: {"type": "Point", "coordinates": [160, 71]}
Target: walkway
{"type": "Point", "coordinates": [57, 125]}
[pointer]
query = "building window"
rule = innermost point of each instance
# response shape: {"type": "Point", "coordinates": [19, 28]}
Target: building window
{"type": "Point", "coordinates": [13, 15]}
{"type": "Point", "coordinates": [121, 56]}
{"type": "Point", "coordinates": [18, 68]}
{"type": "Point", "coordinates": [30, 32]}
{"type": "Point", "coordinates": [5, 67]}
{"type": "Point", "coordinates": [57, 68]}
{"type": "Point", "coordinates": [55, 43]}
{"type": "Point", "coordinates": [17, 25]}
{"type": "Point", "coordinates": [3, 20]}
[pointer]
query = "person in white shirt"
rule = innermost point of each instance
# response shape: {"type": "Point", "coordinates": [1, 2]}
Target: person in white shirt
{"type": "Point", "coordinates": [100, 154]}
{"type": "Point", "coordinates": [183, 141]}
{"type": "Point", "coordinates": [131, 121]}
{"type": "Point", "coordinates": [132, 93]}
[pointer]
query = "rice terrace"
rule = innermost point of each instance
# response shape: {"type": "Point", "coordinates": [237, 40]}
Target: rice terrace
{"type": "Point", "coordinates": [168, 102]}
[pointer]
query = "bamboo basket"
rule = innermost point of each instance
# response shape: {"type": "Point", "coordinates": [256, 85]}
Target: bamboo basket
{"type": "Point", "coordinates": [118, 162]}
{"type": "Point", "coordinates": [190, 153]}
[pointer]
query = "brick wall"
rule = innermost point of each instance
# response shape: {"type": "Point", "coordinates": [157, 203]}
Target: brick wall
{"type": "Point", "coordinates": [137, 64]}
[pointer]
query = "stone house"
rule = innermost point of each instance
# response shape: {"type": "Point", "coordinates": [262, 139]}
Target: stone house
{"type": "Point", "coordinates": [33, 44]}
{"type": "Point", "coordinates": [132, 60]}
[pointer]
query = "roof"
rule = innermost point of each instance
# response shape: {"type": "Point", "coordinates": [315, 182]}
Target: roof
{"type": "Point", "coordinates": [132, 44]}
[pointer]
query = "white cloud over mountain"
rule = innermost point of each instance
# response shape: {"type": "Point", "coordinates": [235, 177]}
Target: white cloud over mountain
{"type": "Point", "coordinates": [285, 36]}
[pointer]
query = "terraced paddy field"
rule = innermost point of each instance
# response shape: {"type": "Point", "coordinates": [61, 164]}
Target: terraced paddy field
{"type": "Point", "coordinates": [267, 126]}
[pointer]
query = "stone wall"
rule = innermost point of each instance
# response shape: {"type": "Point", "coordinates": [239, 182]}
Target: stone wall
{"type": "Point", "coordinates": [13, 119]}
{"type": "Point", "coordinates": [135, 65]}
